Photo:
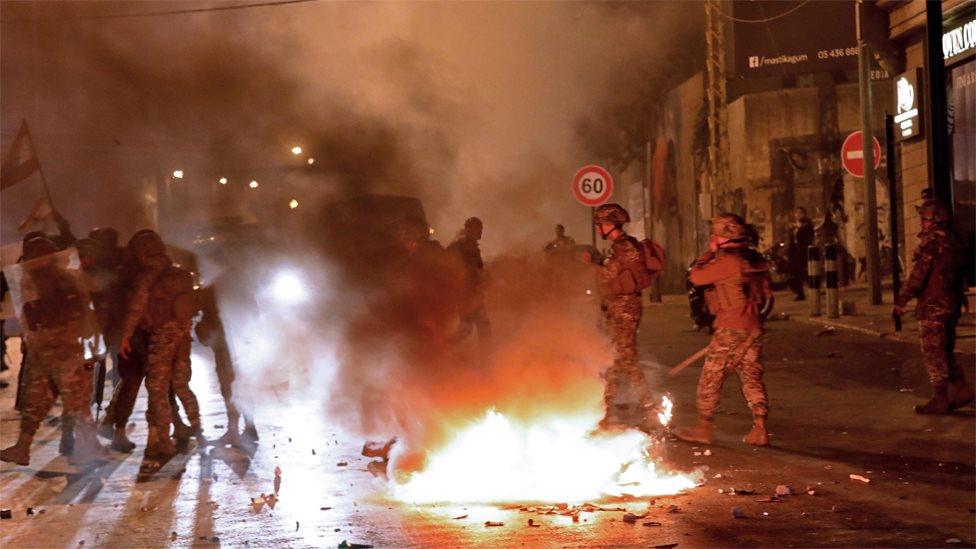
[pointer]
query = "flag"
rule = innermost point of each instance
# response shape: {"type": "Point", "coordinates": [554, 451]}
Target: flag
{"type": "Point", "coordinates": [41, 211]}
{"type": "Point", "coordinates": [20, 161]}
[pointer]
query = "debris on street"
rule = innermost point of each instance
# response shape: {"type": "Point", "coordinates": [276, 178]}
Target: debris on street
{"type": "Point", "coordinates": [493, 523]}
{"type": "Point", "coordinates": [738, 513]}
{"type": "Point", "coordinates": [860, 478]}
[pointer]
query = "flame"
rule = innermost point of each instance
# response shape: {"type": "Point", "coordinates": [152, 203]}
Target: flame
{"type": "Point", "coordinates": [667, 410]}
{"type": "Point", "coordinates": [548, 458]}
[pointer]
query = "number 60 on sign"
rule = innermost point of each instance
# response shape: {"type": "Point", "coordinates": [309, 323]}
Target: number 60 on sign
{"type": "Point", "coordinates": [592, 185]}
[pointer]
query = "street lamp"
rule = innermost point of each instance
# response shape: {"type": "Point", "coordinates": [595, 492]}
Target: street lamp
{"type": "Point", "coordinates": [293, 204]}
{"type": "Point", "coordinates": [253, 184]}
{"type": "Point", "coordinates": [310, 161]}
{"type": "Point", "coordinates": [178, 174]}
{"type": "Point", "coordinates": [296, 150]}
{"type": "Point", "coordinates": [222, 181]}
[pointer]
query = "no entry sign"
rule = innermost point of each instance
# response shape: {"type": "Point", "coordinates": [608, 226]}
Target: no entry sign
{"type": "Point", "coordinates": [852, 154]}
{"type": "Point", "coordinates": [592, 185]}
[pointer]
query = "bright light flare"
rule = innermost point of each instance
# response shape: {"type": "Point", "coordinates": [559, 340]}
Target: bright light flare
{"type": "Point", "coordinates": [296, 150]}
{"type": "Point", "coordinates": [222, 181]}
{"type": "Point", "coordinates": [293, 204]}
{"type": "Point", "coordinates": [253, 184]}
{"type": "Point", "coordinates": [667, 411]}
{"type": "Point", "coordinates": [310, 161]}
{"type": "Point", "coordinates": [287, 288]}
{"type": "Point", "coordinates": [178, 174]}
{"type": "Point", "coordinates": [551, 458]}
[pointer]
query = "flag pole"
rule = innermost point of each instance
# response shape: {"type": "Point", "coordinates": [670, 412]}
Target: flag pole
{"type": "Point", "coordinates": [40, 169]}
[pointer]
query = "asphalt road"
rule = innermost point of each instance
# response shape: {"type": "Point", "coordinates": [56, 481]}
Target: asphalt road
{"type": "Point", "coordinates": [841, 405]}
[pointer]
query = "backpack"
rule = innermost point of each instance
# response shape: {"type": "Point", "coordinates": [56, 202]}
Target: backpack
{"type": "Point", "coordinates": [653, 255]}
{"type": "Point", "coordinates": [172, 297]}
{"type": "Point", "coordinates": [640, 275]}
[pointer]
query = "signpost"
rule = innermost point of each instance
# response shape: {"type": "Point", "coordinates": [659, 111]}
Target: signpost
{"type": "Point", "coordinates": [852, 154]}
{"type": "Point", "coordinates": [592, 186]}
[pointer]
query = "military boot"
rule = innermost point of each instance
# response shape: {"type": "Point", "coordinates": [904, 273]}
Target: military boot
{"type": "Point", "coordinates": [18, 453]}
{"type": "Point", "coordinates": [121, 442]}
{"type": "Point", "coordinates": [158, 444]}
{"type": "Point", "coordinates": [757, 436]}
{"type": "Point", "coordinates": [88, 448]}
{"type": "Point", "coordinates": [107, 428]}
{"type": "Point", "coordinates": [67, 445]}
{"type": "Point", "coordinates": [250, 430]}
{"type": "Point", "coordinates": [700, 432]}
{"type": "Point", "coordinates": [182, 431]}
{"type": "Point", "coordinates": [960, 393]}
{"type": "Point", "coordinates": [939, 404]}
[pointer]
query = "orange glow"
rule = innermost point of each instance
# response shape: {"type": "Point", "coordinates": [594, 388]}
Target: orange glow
{"type": "Point", "coordinates": [553, 457]}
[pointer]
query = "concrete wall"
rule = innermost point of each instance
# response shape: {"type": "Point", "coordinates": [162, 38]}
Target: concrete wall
{"type": "Point", "coordinates": [778, 159]}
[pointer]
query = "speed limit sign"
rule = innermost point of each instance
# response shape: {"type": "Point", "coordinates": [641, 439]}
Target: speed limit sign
{"type": "Point", "coordinates": [592, 185]}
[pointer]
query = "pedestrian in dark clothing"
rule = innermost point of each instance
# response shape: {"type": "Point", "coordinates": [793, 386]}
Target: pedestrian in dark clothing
{"type": "Point", "coordinates": [801, 237]}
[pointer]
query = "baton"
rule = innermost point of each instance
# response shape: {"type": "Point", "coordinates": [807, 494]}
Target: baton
{"type": "Point", "coordinates": [688, 361]}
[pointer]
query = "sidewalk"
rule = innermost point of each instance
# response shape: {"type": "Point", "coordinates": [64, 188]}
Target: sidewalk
{"type": "Point", "coordinates": [870, 319]}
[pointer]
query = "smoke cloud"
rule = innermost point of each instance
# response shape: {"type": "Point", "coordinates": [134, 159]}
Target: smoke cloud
{"type": "Point", "coordinates": [475, 108]}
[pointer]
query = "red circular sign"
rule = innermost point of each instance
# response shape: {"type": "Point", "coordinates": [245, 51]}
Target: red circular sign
{"type": "Point", "coordinates": [592, 185]}
{"type": "Point", "coordinates": [852, 154]}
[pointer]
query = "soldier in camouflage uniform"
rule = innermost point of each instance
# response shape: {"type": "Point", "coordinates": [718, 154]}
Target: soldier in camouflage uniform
{"type": "Point", "coordinates": [57, 360]}
{"type": "Point", "coordinates": [737, 285]}
{"type": "Point", "coordinates": [210, 332]}
{"type": "Point", "coordinates": [936, 282]}
{"type": "Point", "coordinates": [162, 300]}
{"type": "Point", "coordinates": [621, 303]}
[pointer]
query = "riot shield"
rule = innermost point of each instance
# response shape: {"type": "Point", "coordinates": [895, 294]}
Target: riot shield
{"type": "Point", "coordinates": [53, 303]}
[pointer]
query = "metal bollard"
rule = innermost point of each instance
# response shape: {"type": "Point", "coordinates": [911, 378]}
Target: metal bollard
{"type": "Point", "coordinates": [813, 279]}
{"type": "Point", "coordinates": [830, 261]}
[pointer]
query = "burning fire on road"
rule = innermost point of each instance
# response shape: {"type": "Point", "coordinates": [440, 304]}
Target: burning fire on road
{"type": "Point", "coordinates": [551, 457]}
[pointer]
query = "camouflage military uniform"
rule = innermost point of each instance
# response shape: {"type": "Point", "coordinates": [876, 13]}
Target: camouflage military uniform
{"type": "Point", "coordinates": [737, 288]}
{"type": "Point", "coordinates": [623, 311]}
{"type": "Point", "coordinates": [56, 368]}
{"type": "Point", "coordinates": [936, 282]}
{"type": "Point", "coordinates": [736, 344]}
{"type": "Point", "coordinates": [169, 365]}
{"type": "Point", "coordinates": [731, 350]}
{"type": "Point", "coordinates": [168, 358]}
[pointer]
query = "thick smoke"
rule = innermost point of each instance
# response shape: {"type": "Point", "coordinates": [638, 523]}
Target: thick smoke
{"type": "Point", "coordinates": [475, 108]}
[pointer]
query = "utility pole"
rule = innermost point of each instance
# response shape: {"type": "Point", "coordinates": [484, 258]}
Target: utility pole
{"type": "Point", "coordinates": [935, 106]}
{"type": "Point", "coordinates": [867, 139]}
{"type": "Point", "coordinates": [717, 174]}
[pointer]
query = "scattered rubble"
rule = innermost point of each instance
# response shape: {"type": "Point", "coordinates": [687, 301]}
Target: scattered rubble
{"type": "Point", "coordinates": [651, 523]}
{"type": "Point", "coordinates": [489, 523]}
{"type": "Point", "coordinates": [346, 545]}
{"type": "Point", "coordinates": [784, 490]}
{"type": "Point", "coordinates": [707, 453]}
{"type": "Point", "coordinates": [461, 517]}
{"type": "Point", "coordinates": [631, 518]}
{"type": "Point", "coordinates": [829, 330]}
{"type": "Point", "coordinates": [377, 449]}
{"type": "Point", "coordinates": [953, 540]}
{"type": "Point", "coordinates": [860, 478]}
{"type": "Point", "coordinates": [6, 514]}
{"type": "Point", "coordinates": [342, 464]}
{"type": "Point", "coordinates": [665, 546]}
{"type": "Point", "coordinates": [738, 513]}
{"type": "Point", "coordinates": [533, 524]}
{"type": "Point", "coordinates": [277, 479]}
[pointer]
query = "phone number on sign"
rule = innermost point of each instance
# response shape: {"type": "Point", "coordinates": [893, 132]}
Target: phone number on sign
{"type": "Point", "coordinates": [837, 52]}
